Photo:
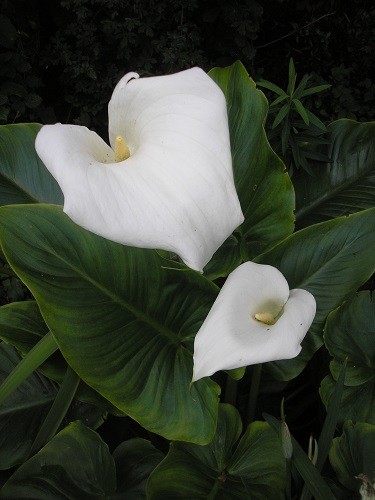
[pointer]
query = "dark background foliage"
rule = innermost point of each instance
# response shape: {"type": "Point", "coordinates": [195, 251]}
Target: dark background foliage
{"type": "Point", "coordinates": [60, 59]}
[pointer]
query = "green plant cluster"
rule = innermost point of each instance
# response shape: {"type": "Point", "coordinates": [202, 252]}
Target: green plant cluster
{"type": "Point", "coordinates": [110, 335]}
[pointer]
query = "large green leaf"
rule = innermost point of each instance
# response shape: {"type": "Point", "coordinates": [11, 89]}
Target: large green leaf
{"type": "Point", "coordinates": [347, 184]}
{"type": "Point", "coordinates": [352, 456]}
{"type": "Point", "coordinates": [76, 463]}
{"type": "Point", "coordinates": [122, 319]}
{"type": "Point", "coordinates": [23, 412]}
{"type": "Point", "coordinates": [256, 468]}
{"type": "Point", "coordinates": [331, 260]}
{"type": "Point", "coordinates": [264, 188]}
{"type": "Point", "coordinates": [349, 334]}
{"type": "Point", "coordinates": [23, 177]}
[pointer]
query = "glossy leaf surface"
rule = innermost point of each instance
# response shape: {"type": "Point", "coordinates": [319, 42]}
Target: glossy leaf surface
{"type": "Point", "coordinates": [123, 321]}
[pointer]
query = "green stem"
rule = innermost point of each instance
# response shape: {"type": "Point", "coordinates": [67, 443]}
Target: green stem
{"type": "Point", "coordinates": [57, 411]}
{"type": "Point", "coordinates": [253, 394]}
{"type": "Point", "coordinates": [212, 494]}
{"type": "Point", "coordinates": [230, 395]}
{"type": "Point", "coordinates": [34, 358]}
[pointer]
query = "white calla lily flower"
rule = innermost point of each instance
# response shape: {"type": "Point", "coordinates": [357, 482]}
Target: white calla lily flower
{"type": "Point", "coordinates": [167, 180]}
{"type": "Point", "coordinates": [254, 319]}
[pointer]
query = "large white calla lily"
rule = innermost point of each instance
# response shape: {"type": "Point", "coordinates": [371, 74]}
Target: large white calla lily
{"type": "Point", "coordinates": [254, 319]}
{"type": "Point", "coordinates": [166, 181]}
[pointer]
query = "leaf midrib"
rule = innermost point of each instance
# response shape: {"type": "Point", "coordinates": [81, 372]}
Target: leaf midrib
{"type": "Point", "coordinates": [166, 332]}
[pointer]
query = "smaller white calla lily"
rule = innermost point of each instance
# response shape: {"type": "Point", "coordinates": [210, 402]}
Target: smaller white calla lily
{"type": "Point", "coordinates": [166, 181]}
{"type": "Point", "coordinates": [254, 319]}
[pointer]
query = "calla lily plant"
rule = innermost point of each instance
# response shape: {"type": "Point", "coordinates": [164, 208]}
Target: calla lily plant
{"type": "Point", "coordinates": [166, 181]}
{"type": "Point", "coordinates": [255, 319]}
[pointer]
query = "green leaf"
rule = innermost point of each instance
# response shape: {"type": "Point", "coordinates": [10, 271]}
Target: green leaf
{"type": "Point", "coordinates": [264, 188]}
{"type": "Point", "coordinates": [332, 417]}
{"type": "Point", "coordinates": [284, 110]}
{"type": "Point", "coordinates": [315, 90]}
{"type": "Point", "coordinates": [23, 177]}
{"type": "Point", "coordinates": [24, 411]}
{"type": "Point", "coordinates": [349, 334]}
{"type": "Point", "coordinates": [128, 340]}
{"type": "Point", "coordinates": [316, 121]}
{"type": "Point", "coordinates": [313, 480]}
{"type": "Point", "coordinates": [135, 460]}
{"type": "Point", "coordinates": [58, 410]}
{"type": "Point", "coordinates": [256, 468]}
{"type": "Point", "coordinates": [331, 260]}
{"type": "Point", "coordinates": [271, 86]}
{"type": "Point", "coordinates": [22, 325]}
{"type": "Point", "coordinates": [277, 101]}
{"type": "Point", "coordinates": [301, 111]}
{"type": "Point", "coordinates": [301, 87]}
{"type": "Point", "coordinates": [352, 455]}
{"type": "Point", "coordinates": [76, 463]}
{"type": "Point", "coordinates": [346, 184]}
{"type": "Point", "coordinates": [37, 355]}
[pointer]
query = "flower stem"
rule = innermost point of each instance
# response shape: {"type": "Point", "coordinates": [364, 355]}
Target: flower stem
{"type": "Point", "coordinates": [230, 395]}
{"type": "Point", "coordinates": [212, 494]}
{"type": "Point", "coordinates": [253, 394]}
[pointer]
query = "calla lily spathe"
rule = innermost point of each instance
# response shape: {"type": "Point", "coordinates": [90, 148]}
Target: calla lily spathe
{"type": "Point", "coordinates": [254, 319]}
{"type": "Point", "coordinates": [167, 180]}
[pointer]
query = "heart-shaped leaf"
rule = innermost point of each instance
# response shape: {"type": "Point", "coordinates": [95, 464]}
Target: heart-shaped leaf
{"type": "Point", "coordinates": [331, 260]}
{"type": "Point", "coordinates": [23, 176]}
{"type": "Point", "coordinates": [255, 469]}
{"type": "Point", "coordinates": [349, 333]}
{"type": "Point", "coordinates": [123, 319]}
